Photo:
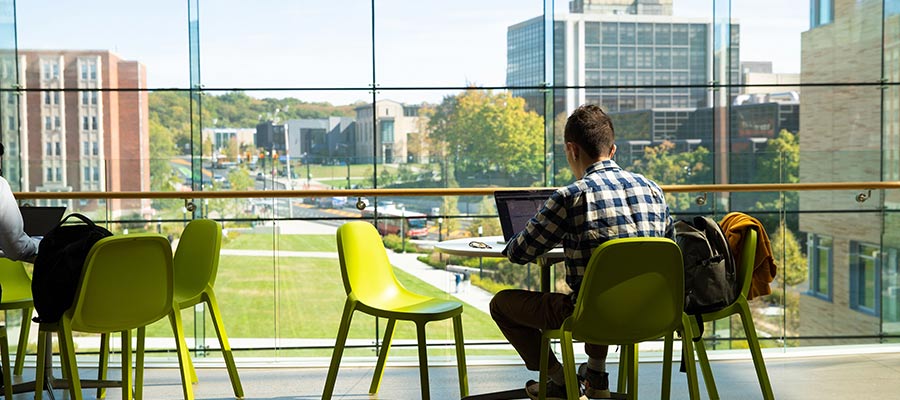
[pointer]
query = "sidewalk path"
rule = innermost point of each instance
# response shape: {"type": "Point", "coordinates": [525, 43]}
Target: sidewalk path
{"type": "Point", "coordinates": [441, 279]}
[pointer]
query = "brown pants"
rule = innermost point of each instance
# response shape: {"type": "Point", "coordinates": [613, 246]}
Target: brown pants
{"type": "Point", "coordinates": [521, 315]}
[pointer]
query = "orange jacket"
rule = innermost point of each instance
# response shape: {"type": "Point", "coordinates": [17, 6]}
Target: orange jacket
{"type": "Point", "coordinates": [733, 226]}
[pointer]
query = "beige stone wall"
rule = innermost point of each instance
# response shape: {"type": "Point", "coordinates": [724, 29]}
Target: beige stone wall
{"type": "Point", "coordinates": [840, 141]}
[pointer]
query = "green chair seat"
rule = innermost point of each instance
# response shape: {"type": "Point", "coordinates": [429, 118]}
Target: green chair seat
{"type": "Point", "coordinates": [372, 288]}
{"type": "Point", "coordinates": [632, 291]}
{"type": "Point", "coordinates": [196, 268]}
{"type": "Point", "coordinates": [126, 284]}
{"type": "Point", "coordinates": [17, 296]}
{"type": "Point", "coordinates": [741, 308]}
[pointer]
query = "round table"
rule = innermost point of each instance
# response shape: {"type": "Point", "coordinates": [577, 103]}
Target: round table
{"type": "Point", "coordinates": [461, 247]}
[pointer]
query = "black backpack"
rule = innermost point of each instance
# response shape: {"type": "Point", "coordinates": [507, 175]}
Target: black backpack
{"type": "Point", "coordinates": [710, 278]}
{"type": "Point", "coordinates": [57, 268]}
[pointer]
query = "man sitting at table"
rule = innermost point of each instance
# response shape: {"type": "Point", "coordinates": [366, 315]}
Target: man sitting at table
{"type": "Point", "coordinates": [605, 203]}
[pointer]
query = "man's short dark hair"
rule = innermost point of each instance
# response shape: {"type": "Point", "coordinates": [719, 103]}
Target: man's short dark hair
{"type": "Point", "coordinates": [591, 129]}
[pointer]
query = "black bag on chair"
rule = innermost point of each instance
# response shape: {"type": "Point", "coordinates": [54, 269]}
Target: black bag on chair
{"type": "Point", "coordinates": [57, 268]}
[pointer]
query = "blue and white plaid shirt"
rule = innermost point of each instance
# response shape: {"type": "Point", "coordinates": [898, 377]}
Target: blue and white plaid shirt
{"type": "Point", "coordinates": [607, 203]}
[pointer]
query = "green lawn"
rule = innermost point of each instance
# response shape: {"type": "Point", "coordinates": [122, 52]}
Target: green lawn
{"type": "Point", "coordinates": [284, 242]}
{"type": "Point", "coordinates": [307, 300]}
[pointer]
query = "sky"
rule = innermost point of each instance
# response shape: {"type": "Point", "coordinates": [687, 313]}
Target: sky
{"type": "Point", "coordinates": [327, 44]}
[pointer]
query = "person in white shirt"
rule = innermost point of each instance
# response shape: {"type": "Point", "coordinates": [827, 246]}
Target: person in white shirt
{"type": "Point", "coordinates": [15, 244]}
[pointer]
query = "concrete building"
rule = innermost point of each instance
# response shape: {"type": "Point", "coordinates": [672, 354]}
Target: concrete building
{"type": "Point", "coordinates": [760, 73]}
{"type": "Point", "coordinates": [75, 136]}
{"type": "Point", "coordinates": [648, 7]}
{"type": "Point", "coordinates": [384, 137]}
{"type": "Point", "coordinates": [220, 137]}
{"type": "Point", "coordinates": [322, 140]}
{"type": "Point", "coordinates": [605, 50]}
{"type": "Point", "coordinates": [851, 133]}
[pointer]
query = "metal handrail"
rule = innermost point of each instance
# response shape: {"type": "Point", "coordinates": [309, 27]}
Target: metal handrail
{"type": "Point", "coordinates": [484, 191]}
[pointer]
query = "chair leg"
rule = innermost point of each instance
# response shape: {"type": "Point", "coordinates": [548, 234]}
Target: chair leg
{"type": "Point", "coordinates": [544, 369]}
{"type": "Point", "coordinates": [382, 356]}
{"type": "Point", "coordinates": [139, 364]}
{"type": "Point", "coordinates": [423, 361]}
{"type": "Point", "coordinates": [624, 358]}
{"type": "Point", "coordinates": [708, 379]}
{"type": "Point", "coordinates": [343, 330]}
{"type": "Point", "coordinates": [4, 357]}
{"type": "Point", "coordinates": [753, 342]}
{"type": "Point", "coordinates": [690, 366]}
{"type": "Point", "coordinates": [216, 315]}
{"type": "Point", "coordinates": [104, 363]}
{"type": "Point", "coordinates": [42, 362]}
{"type": "Point", "coordinates": [632, 373]}
{"type": "Point", "coordinates": [568, 365]}
{"type": "Point", "coordinates": [127, 393]}
{"type": "Point", "coordinates": [23, 340]}
{"type": "Point", "coordinates": [67, 356]}
{"type": "Point", "coordinates": [668, 348]}
{"type": "Point", "coordinates": [183, 356]}
{"type": "Point", "coordinates": [460, 356]}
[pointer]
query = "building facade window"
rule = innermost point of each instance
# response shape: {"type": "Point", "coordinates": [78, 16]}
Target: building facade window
{"type": "Point", "coordinates": [821, 12]}
{"type": "Point", "coordinates": [94, 123]}
{"type": "Point", "coordinates": [821, 261]}
{"type": "Point", "coordinates": [865, 285]}
{"type": "Point", "coordinates": [85, 123]}
{"type": "Point", "coordinates": [48, 123]}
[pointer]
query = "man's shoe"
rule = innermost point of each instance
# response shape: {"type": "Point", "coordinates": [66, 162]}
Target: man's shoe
{"type": "Point", "coordinates": [554, 391]}
{"type": "Point", "coordinates": [596, 384]}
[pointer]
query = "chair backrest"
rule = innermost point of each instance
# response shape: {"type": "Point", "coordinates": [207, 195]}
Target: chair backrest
{"type": "Point", "coordinates": [15, 281]}
{"type": "Point", "coordinates": [632, 291]}
{"type": "Point", "coordinates": [747, 261]}
{"type": "Point", "coordinates": [126, 283]}
{"type": "Point", "coordinates": [197, 256]}
{"type": "Point", "coordinates": [365, 268]}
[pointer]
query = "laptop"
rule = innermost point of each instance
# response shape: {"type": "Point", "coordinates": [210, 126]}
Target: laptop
{"type": "Point", "coordinates": [40, 220]}
{"type": "Point", "coordinates": [517, 207]}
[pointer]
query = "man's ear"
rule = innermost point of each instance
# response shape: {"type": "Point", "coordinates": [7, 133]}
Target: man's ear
{"type": "Point", "coordinates": [573, 148]}
{"type": "Point", "coordinates": [612, 151]}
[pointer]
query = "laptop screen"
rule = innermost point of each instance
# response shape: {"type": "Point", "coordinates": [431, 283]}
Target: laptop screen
{"type": "Point", "coordinates": [516, 207]}
{"type": "Point", "coordinates": [40, 220]}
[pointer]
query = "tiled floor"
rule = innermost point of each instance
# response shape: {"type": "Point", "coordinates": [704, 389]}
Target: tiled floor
{"type": "Point", "coordinates": [853, 372]}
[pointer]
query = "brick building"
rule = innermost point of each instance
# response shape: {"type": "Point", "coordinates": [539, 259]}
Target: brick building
{"type": "Point", "coordinates": [77, 137]}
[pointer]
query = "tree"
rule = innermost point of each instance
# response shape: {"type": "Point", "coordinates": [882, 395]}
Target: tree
{"type": "Point", "coordinates": [793, 270]}
{"type": "Point", "coordinates": [162, 176]}
{"type": "Point", "coordinates": [239, 178]}
{"type": "Point", "coordinates": [779, 163]}
{"type": "Point", "coordinates": [232, 150]}
{"type": "Point", "coordinates": [666, 168]}
{"type": "Point", "coordinates": [787, 252]}
{"type": "Point", "coordinates": [489, 133]}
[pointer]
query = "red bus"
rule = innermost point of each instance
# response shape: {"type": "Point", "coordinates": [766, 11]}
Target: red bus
{"type": "Point", "coordinates": [414, 226]}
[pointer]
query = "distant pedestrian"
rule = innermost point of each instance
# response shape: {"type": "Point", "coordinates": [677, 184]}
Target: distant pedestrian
{"type": "Point", "coordinates": [458, 281]}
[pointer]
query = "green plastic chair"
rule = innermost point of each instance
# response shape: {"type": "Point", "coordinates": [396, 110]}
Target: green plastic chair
{"type": "Point", "coordinates": [740, 307]}
{"type": "Point", "coordinates": [372, 288]}
{"type": "Point", "coordinates": [633, 291]}
{"type": "Point", "coordinates": [126, 284]}
{"type": "Point", "coordinates": [196, 266]}
{"type": "Point", "coordinates": [17, 296]}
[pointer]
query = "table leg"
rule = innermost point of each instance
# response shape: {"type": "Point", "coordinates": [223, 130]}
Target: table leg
{"type": "Point", "coordinates": [546, 267]}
